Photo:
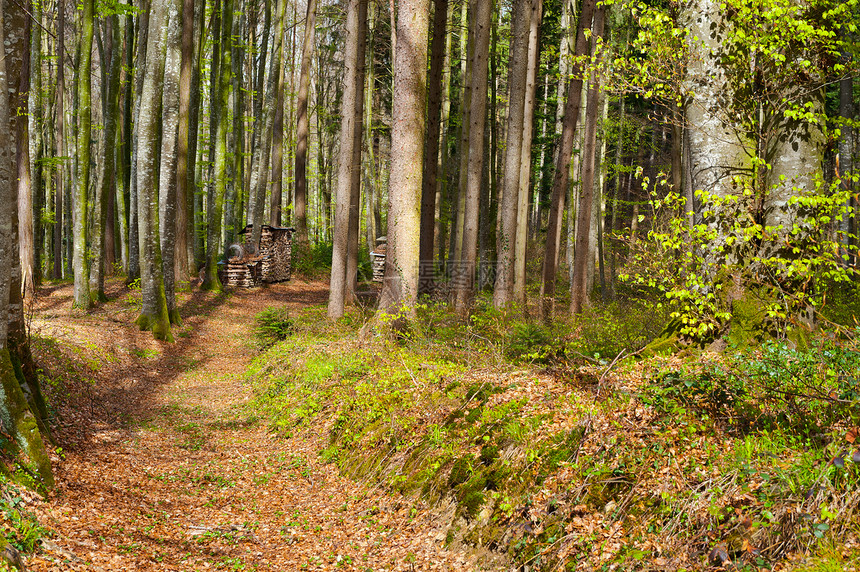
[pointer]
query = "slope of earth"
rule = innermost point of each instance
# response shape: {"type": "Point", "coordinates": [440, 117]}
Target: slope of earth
{"type": "Point", "coordinates": [163, 465]}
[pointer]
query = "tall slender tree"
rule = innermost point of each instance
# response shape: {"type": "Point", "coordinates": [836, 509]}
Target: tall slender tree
{"type": "Point", "coordinates": [349, 156]}
{"type": "Point", "coordinates": [154, 314]}
{"type": "Point", "coordinates": [431, 155]}
{"type": "Point", "coordinates": [216, 212]}
{"type": "Point", "coordinates": [464, 284]}
{"type": "Point", "coordinates": [107, 172]}
{"type": "Point", "coordinates": [503, 293]}
{"type": "Point", "coordinates": [81, 261]}
{"type": "Point", "coordinates": [400, 286]}
{"type": "Point", "coordinates": [579, 296]}
{"type": "Point", "coordinates": [303, 128]}
{"type": "Point", "coordinates": [561, 179]}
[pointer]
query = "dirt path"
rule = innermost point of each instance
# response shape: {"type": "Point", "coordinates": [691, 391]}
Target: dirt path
{"type": "Point", "coordinates": [166, 467]}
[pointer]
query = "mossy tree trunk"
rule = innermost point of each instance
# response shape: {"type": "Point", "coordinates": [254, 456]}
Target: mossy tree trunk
{"type": "Point", "coordinates": [216, 212]}
{"type": "Point", "coordinates": [107, 175]}
{"type": "Point", "coordinates": [154, 314]}
{"type": "Point", "coordinates": [22, 445]}
{"type": "Point", "coordinates": [81, 262]}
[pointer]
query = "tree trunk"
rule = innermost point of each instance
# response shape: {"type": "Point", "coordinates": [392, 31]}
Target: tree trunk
{"type": "Point", "coordinates": [213, 242]}
{"type": "Point", "coordinates": [81, 261]}
{"type": "Point", "coordinates": [20, 419]}
{"type": "Point", "coordinates": [579, 288]}
{"type": "Point", "coordinates": [349, 157]}
{"type": "Point", "coordinates": [37, 125]}
{"type": "Point", "coordinates": [169, 155]}
{"type": "Point", "coordinates": [276, 198]}
{"type": "Point", "coordinates": [303, 130]}
{"type": "Point", "coordinates": [400, 288]}
{"type": "Point", "coordinates": [154, 314]}
{"type": "Point", "coordinates": [463, 280]}
{"type": "Point", "coordinates": [506, 239]}
{"type": "Point", "coordinates": [25, 194]}
{"type": "Point", "coordinates": [60, 112]}
{"type": "Point", "coordinates": [134, 270]}
{"type": "Point", "coordinates": [183, 189]}
{"type": "Point", "coordinates": [107, 162]}
{"type": "Point", "coordinates": [195, 253]}
{"type": "Point", "coordinates": [561, 179]}
{"type": "Point", "coordinates": [426, 267]}
{"type": "Point", "coordinates": [525, 162]}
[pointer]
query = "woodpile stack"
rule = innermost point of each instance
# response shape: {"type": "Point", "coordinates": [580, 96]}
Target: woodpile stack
{"type": "Point", "coordinates": [243, 272]}
{"type": "Point", "coordinates": [276, 248]}
{"type": "Point", "coordinates": [377, 260]}
{"type": "Point", "coordinates": [274, 253]}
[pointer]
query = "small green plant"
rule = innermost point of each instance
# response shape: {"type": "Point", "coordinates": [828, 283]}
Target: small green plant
{"type": "Point", "coordinates": [272, 326]}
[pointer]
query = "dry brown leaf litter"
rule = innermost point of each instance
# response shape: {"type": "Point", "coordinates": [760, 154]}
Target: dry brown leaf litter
{"type": "Point", "coordinates": [164, 467]}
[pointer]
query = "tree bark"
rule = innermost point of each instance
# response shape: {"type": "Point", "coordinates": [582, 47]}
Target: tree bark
{"type": "Point", "coordinates": [303, 129]}
{"type": "Point", "coordinates": [61, 87]}
{"type": "Point", "coordinates": [349, 157]}
{"type": "Point", "coordinates": [213, 242]}
{"type": "Point", "coordinates": [154, 314]}
{"type": "Point", "coordinates": [25, 193]}
{"type": "Point", "coordinates": [400, 287]}
{"type": "Point", "coordinates": [579, 289]}
{"type": "Point", "coordinates": [169, 155]}
{"type": "Point", "coordinates": [561, 179]}
{"type": "Point", "coordinates": [81, 261]}
{"type": "Point", "coordinates": [426, 267]}
{"type": "Point", "coordinates": [464, 283]}
{"type": "Point", "coordinates": [525, 162]}
{"type": "Point", "coordinates": [503, 292]}
{"type": "Point", "coordinates": [183, 189]}
{"type": "Point", "coordinates": [107, 163]}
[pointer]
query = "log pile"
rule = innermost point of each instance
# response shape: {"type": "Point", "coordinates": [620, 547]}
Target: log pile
{"type": "Point", "coordinates": [274, 254]}
{"type": "Point", "coordinates": [244, 272]}
{"type": "Point", "coordinates": [276, 248]}
{"type": "Point", "coordinates": [377, 259]}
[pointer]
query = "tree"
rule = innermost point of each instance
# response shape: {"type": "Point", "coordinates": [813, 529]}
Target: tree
{"type": "Point", "coordinates": [561, 179]}
{"type": "Point", "coordinates": [107, 171]}
{"type": "Point", "coordinates": [20, 417]}
{"type": "Point", "coordinates": [183, 187]}
{"type": "Point", "coordinates": [167, 203]}
{"type": "Point", "coordinates": [216, 202]}
{"type": "Point", "coordinates": [400, 287]}
{"type": "Point", "coordinates": [431, 155]}
{"type": "Point", "coordinates": [154, 313]}
{"type": "Point", "coordinates": [464, 285]}
{"type": "Point", "coordinates": [349, 156]}
{"type": "Point", "coordinates": [506, 238]}
{"type": "Point", "coordinates": [579, 294]}
{"type": "Point", "coordinates": [303, 128]}
{"type": "Point", "coordinates": [81, 261]}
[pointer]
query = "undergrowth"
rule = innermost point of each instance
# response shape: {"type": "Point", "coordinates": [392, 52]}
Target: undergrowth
{"type": "Point", "coordinates": [552, 455]}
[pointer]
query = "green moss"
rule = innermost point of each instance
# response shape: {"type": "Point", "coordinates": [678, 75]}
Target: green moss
{"type": "Point", "coordinates": [460, 472]}
{"type": "Point", "coordinates": [158, 325]}
{"type": "Point", "coordinates": [489, 453]}
{"type": "Point", "coordinates": [19, 422]}
{"type": "Point", "coordinates": [474, 415]}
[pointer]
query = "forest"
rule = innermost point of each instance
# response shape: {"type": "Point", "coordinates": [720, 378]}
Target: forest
{"type": "Point", "coordinates": [558, 284]}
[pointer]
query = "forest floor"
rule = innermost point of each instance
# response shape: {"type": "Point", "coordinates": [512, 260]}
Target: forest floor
{"type": "Point", "coordinates": [162, 464]}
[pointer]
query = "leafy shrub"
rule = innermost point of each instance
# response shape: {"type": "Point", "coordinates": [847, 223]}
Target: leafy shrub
{"type": "Point", "coordinates": [804, 392]}
{"type": "Point", "coordinates": [272, 325]}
